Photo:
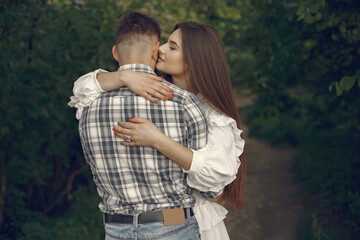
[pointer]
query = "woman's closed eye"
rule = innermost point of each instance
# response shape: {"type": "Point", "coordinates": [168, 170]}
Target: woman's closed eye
{"type": "Point", "coordinates": [172, 48]}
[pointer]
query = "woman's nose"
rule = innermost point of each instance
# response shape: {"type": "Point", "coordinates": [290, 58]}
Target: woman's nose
{"type": "Point", "coordinates": [161, 49]}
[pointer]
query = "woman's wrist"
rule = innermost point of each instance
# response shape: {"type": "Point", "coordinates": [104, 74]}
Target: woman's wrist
{"type": "Point", "coordinates": [173, 150]}
{"type": "Point", "coordinates": [111, 80]}
{"type": "Point", "coordinates": [158, 140]}
{"type": "Point", "coordinates": [121, 80]}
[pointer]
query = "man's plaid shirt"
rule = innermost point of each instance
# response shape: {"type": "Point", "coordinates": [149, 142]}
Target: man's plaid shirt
{"type": "Point", "coordinates": [140, 179]}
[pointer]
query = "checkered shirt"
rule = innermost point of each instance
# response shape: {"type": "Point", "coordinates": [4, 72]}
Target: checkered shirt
{"type": "Point", "coordinates": [140, 179]}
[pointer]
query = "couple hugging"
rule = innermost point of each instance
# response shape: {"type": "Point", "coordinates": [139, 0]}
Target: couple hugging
{"type": "Point", "coordinates": [165, 153]}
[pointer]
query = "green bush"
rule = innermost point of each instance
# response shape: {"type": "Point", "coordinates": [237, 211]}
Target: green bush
{"type": "Point", "coordinates": [44, 48]}
{"type": "Point", "coordinates": [78, 222]}
{"type": "Point", "coordinates": [289, 54]}
{"type": "Point", "coordinates": [300, 110]}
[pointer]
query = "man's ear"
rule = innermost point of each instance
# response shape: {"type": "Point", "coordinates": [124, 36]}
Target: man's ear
{"type": "Point", "coordinates": [155, 51]}
{"type": "Point", "coordinates": [115, 53]}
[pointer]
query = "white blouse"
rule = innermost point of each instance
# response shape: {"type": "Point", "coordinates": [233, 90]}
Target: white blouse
{"type": "Point", "coordinates": [212, 168]}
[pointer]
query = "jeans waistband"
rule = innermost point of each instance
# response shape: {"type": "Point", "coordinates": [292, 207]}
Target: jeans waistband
{"type": "Point", "coordinates": [149, 217]}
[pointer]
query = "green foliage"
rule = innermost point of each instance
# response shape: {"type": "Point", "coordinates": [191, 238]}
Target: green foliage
{"type": "Point", "coordinates": [346, 83]}
{"type": "Point", "coordinates": [43, 49]}
{"type": "Point", "coordinates": [81, 221]}
{"type": "Point", "coordinates": [289, 53]}
{"type": "Point", "coordinates": [46, 45]}
{"type": "Point", "coordinates": [299, 51]}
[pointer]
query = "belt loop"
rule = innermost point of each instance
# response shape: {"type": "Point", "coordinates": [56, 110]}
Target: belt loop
{"type": "Point", "coordinates": [135, 225]}
{"type": "Point", "coordinates": [188, 214]}
{"type": "Point", "coordinates": [135, 220]}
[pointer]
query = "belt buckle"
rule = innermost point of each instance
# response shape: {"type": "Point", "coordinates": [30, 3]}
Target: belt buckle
{"type": "Point", "coordinates": [173, 216]}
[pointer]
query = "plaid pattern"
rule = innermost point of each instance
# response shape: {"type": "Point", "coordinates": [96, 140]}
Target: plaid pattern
{"type": "Point", "coordinates": [140, 179]}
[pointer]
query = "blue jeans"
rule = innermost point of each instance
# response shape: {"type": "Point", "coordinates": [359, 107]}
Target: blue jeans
{"type": "Point", "coordinates": [187, 231]}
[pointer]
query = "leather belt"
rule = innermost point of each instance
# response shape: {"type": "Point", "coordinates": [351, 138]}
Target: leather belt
{"type": "Point", "coordinates": [149, 217]}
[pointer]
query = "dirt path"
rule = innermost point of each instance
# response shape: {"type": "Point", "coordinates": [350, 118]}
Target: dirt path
{"type": "Point", "coordinates": [273, 207]}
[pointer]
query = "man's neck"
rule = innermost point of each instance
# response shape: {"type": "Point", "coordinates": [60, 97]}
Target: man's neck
{"type": "Point", "coordinates": [136, 67]}
{"type": "Point", "coordinates": [137, 61]}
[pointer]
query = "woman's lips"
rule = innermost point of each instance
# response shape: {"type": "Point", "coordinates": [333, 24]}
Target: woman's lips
{"type": "Point", "coordinates": [160, 59]}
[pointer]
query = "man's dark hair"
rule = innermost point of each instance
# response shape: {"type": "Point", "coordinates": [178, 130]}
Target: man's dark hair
{"type": "Point", "coordinates": [136, 23]}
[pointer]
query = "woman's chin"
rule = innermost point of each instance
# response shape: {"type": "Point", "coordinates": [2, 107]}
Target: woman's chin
{"type": "Point", "coordinates": [160, 66]}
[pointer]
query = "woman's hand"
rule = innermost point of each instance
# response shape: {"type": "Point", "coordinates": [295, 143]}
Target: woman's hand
{"type": "Point", "coordinates": [148, 86]}
{"type": "Point", "coordinates": [140, 131]}
{"type": "Point", "coordinates": [143, 84]}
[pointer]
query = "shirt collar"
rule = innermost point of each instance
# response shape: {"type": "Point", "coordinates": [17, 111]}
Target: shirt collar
{"type": "Point", "coordinates": [137, 67]}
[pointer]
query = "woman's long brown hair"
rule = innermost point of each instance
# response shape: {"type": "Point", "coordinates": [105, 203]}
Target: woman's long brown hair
{"type": "Point", "coordinates": [209, 75]}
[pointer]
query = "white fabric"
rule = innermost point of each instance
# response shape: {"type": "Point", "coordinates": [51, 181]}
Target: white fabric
{"type": "Point", "coordinates": [210, 217]}
{"type": "Point", "coordinates": [86, 89]}
{"type": "Point", "coordinates": [213, 167]}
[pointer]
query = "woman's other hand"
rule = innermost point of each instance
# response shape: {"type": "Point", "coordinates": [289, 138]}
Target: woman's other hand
{"type": "Point", "coordinates": [148, 86]}
{"type": "Point", "coordinates": [140, 131]}
{"type": "Point", "coordinates": [143, 84]}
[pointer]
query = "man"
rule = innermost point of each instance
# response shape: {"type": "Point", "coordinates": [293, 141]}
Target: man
{"type": "Point", "coordinates": [144, 194]}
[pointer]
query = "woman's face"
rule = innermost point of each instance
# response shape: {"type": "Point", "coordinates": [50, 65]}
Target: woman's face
{"type": "Point", "coordinates": [171, 59]}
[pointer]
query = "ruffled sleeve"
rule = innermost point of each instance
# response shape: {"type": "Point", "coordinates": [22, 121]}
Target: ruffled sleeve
{"type": "Point", "coordinates": [215, 166]}
{"type": "Point", "coordinates": [86, 89]}
{"type": "Point", "coordinates": [208, 214]}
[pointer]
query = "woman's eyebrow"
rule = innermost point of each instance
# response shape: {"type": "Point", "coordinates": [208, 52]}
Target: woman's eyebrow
{"type": "Point", "coordinates": [173, 42]}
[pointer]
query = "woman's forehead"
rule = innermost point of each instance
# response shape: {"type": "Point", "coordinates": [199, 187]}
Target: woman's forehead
{"type": "Point", "coordinates": [176, 37]}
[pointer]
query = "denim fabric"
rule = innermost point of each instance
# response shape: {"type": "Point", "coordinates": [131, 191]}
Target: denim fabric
{"type": "Point", "coordinates": [187, 231]}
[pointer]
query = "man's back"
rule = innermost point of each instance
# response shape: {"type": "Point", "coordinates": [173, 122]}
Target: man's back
{"type": "Point", "coordinates": [140, 179]}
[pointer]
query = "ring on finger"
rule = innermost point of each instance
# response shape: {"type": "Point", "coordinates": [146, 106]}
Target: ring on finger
{"type": "Point", "coordinates": [127, 138]}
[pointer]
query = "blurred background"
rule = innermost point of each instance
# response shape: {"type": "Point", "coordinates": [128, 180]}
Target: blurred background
{"type": "Point", "coordinates": [298, 61]}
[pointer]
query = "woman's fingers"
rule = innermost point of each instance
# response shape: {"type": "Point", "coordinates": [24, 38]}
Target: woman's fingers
{"type": "Point", "coordinates": [125, 143]}
{"type": "Point", "coordinates": [124, 134]}
{"type": "Point", "coordinates": [140, 131]}
{"type": "Point", "coordinates": [116, 133]}
{"type": "Point", "coordinates": [159, 79]}
{"type": "Point", "coordinates": [121, 132]}
{"type": "Point", "coordinates": [130, 144]}
{"type": "Point", "coordinates": [164, 87]}
{"type": "Point", "coordinates": [138, 120]}
{"type": "Point", "coordinates": [148, 97]}
{"type": "Point", "coordinates": [159, 94]}
{"type": "Point", "coordinates": [126, 125]}
{"type": "Point", "coordinates": [165, 90]}
{"type": "Point", "coordinates": [157, 89]}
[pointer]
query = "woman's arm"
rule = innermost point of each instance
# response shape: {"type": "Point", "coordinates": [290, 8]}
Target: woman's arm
{"type": "Point", "coordinates": [87, 88]}
{"type": "Point", "coordinates": [216, 165]}
{"type": "Point", "coordinates": [144, 133]}
{"type": "Point", "coordinates": [210, 168]}
{"type": "Point", "coordinates": [143, 84]}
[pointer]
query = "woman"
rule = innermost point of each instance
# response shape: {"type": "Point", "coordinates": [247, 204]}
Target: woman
{"type": "Point", "coordinates": [194, 59]}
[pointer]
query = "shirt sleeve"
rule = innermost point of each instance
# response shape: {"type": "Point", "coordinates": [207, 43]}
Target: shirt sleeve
{"type": "Point", "coordinates": [86, 89]}
{"type": "Point", "coordinates": [196, 126]}
{"type": "Point", "coordinates": [216, 165]}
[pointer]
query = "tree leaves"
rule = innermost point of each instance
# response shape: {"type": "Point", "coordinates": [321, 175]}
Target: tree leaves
{"type": "Point", "coordinates": [345, 84]}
